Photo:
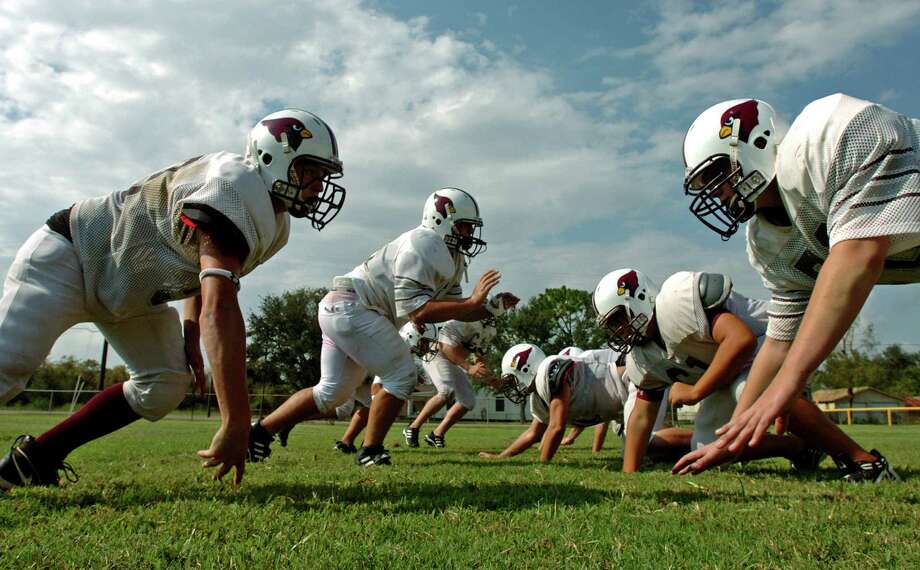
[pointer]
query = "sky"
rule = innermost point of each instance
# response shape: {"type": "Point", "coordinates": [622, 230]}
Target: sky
{"type": "Point", "coordinates": [565, 120]}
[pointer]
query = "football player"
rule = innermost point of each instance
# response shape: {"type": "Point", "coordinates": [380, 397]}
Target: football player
{"type": "Point", "coordinates": [460, 355]}
{"type": "Point", "coordinates": [415, 277]}
{"type": "Point", "coordinates": [583, 390]}
{"type": "Point", "coordinates": [189, 231]}
{"type": "Point", "coordinates": [600, 430]}
{"type": "Point", "coordinates": [831, 209]}
{"type": "Point", "coordinates": [696, 337]}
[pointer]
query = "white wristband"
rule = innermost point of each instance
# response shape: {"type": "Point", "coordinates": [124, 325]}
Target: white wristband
{"type": "Point", "coordinates": [217, 272]}
{"type": "Point", "coordinates": [495, 306]}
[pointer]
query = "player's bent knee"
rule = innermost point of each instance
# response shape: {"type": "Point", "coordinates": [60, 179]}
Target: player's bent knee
{"type": "Point", "coordinates": [329, 396]}
{"type": "Point", "coordinates": [152, 398]}
{"type": "Point", "coordinates": [344, 411]}
{"type": "Point", "coordinates": [467, 403]}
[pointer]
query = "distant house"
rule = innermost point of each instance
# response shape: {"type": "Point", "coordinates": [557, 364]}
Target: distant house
{"type": "Point", "coordinates": [859, 397]}
{"type": "Point", "coordinates": [489, 407]}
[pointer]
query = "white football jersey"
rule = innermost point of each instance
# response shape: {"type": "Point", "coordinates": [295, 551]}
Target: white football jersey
{"type": "Point", "coordinates": [137, 252]}
{"type": "Point", "coordinates": [684, 327]}
{"type": "Point", "coordinates": [598, 391]}
{"type": "Point", "coordinates": [408, 272]}
{"type": "Point", "coordinates": [473, 336]}
{"type": "Point", "coordinates": [847, 169]}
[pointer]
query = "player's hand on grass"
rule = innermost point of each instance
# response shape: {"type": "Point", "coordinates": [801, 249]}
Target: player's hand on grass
{"type": "Point", "coordinates": [484, 286]}
{"type": "Point", "coordinates": [701, 459]}
{"type": "Point", "coordinates": [681, 394]}
{"type": "Point", "coordinates": [748, 428]}
{"type": "Point", "coordinates": [488, 455]}
{"type": "Point", "coordinates": [193, 356]}
{"type": "Point", "coordinates": [567, 440]}
{"type": "Point", "coordinates": [227, 451]}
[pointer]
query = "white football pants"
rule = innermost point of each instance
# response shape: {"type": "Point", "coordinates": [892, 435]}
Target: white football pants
{"type": "Point", "coordinates": [358, 341]}
{"type": "Point", "coordinates": [43, 296]}
{"type": "Point", "coordinates": [448, 379]}
{"type": "Point", "coordinates": [716, 410]}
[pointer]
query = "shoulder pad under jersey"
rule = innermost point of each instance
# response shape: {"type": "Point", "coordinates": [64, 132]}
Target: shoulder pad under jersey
{"type": "Point", "coordinates": [556, 374]}
{"type": "Point", "coordinates": [714, 289]}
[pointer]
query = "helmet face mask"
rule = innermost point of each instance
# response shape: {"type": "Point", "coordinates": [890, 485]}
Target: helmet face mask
{"type": "Point", "coordinates": [624, 333]}
{"type": "Point", "coordinates": [509, 388]}
{"type": "Point", "coordinates": [722, 197]}
{"type": "Point", "coordinates": [284, 146]}
{"type": "Point", "coordinates": [422, 340]}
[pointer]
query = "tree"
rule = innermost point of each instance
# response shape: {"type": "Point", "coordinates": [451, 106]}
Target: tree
{"type": "Point", "coordinates": [285, 339]}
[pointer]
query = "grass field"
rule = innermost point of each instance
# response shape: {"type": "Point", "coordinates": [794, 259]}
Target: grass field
{"type": "Point", "coordinates": [143, 502]}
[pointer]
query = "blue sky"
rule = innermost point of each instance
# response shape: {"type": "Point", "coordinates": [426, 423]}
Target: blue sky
{"type": "Point", "coordinates": [565, 120]}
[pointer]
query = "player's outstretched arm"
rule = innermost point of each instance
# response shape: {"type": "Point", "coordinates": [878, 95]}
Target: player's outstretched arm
{"type": "Point", "coordinates": [844, 282]}
{"type": "Point", "coordinates": [558, 416]}
{"type": "Point", "coordinates": [523, 442]}
{"type": "Point", "coordinates": [473, 308]}
{"type": "Point", "coordinates": [224, 336]}
{"type": "Point", "coordinates": [736, 344]}
{"type": "Point", "coordinates": [638, 432]}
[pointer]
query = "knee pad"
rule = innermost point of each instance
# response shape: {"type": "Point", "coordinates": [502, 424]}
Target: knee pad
{"type": "Point", "coordinates": [344, 411]}
{"type": "Point", "coordinates": [400, 388]}
{"type": "Point", "coordinates": [467, 401]}
{"type": "Point", "coordinates": [155, 396]}
{"type": "Point", "coordinates": [328, 395]}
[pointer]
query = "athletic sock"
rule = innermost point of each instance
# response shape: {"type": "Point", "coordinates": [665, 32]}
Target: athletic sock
{"type": "Point", "coordinates": [104, 413]}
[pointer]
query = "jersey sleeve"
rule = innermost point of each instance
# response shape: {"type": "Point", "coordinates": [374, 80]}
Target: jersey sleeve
{"type": "Point", "coordinates": [642, 376]}
{"type": "Point", "coordinates": [874, 178]}
{"type": "Point", "coordinates": [413, 281]}
{"type": "Point", "coordinates": [451, 333]}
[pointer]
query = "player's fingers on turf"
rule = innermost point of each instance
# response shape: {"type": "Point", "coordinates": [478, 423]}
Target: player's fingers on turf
{"type": "Point", "coordinates": [221, 471]}
{"type": "Point", "coordinates": [741, 439]}
{"type": "Point", "coordinates": [762, 426]}
{"type": "Point", "coordinates": [238, 475]}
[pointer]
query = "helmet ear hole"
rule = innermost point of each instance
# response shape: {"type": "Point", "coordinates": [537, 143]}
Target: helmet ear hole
{"type": "Point", "coordinates": [266, 158]}
{"type": "Point", "coordinates": [760, 142]}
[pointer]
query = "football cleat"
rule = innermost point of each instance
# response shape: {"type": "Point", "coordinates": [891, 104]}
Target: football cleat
{"type": "Point", "coordinates": [23, 467]}
{"type": "Point", "coordinates": [435, 440]}
{"type": "Point", "coordinates": [345, 448]}
{"type": "Point", "coordinates": [411, 435]}
{"type": "Point", "coordinates": [867, 471]}
{"type": "Point", "coordinates": [260, 441]}
{"type": "Point", "coordinates": [808, 460]}
{"type": "Point", "coordinates": [374, 455]}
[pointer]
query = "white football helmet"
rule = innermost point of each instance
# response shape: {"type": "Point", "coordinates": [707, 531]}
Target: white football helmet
{"type": "Point", "coordinates": [519, 370]}
{"type": "Point", "coordinates": [570, 351]}
{"type": "Point", "coordinates": [447, 208]}
{"type": "Point", "coordinates": [731, 145]}
{"type": "Point", "coordinates": [624, 301]}
{"type": "Point", "coordinates": [279, 144]}
{"type": "Point", "coordinates": [422, 340]}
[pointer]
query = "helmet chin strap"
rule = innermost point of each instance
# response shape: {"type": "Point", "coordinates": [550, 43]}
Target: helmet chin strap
{"type": "Point", "coordinates": [733, 143]}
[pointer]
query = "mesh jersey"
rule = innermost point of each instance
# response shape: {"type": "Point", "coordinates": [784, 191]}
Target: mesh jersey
{"type": "Point", "coordinates": [598, 391]}
{"type": "Point", "coordinates": [847, 169]}
{"type": "Point", "coordinates": [136, 251]}
{"type": "Point", "coordinates": [684, 327]}
{"type": "Point", "coordinates": [473, 336]}
{"type": "Point", "coordinates": [406, 273]}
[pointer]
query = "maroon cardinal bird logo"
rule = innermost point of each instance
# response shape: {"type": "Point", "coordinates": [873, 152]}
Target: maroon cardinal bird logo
{"type": "Point", "coordinates": [520, 359]}
{"type": "Point", "coordinates": [296, 131]}
{"type": "Point", "coordinates": [747, 112]}
{"type": "Point", "coordinates": [628, 283]}
{"type": "Point", "coordinates": [444, 205]}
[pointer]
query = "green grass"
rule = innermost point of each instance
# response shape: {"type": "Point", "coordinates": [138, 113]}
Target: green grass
{"type": "Point", "coordinates": [142, 501]}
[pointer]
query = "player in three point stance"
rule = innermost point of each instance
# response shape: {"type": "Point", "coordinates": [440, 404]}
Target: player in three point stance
{"type": "Point", "coordinates": [600, 430]}
{"type": "Point", "coordinates": [832, 209]}
{"type": "Point", "coordinates": [414, 277]}
{"type": "Point", "coordinates": [582, 390]}
{"type": "Point", "coordinates": [699, 337]}
{"type": "Point", "coordinates": [450, 371]}
{"type": "Point", "coordinates": [187, 232]}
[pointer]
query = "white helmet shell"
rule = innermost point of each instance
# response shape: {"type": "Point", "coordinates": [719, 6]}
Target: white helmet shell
{"type": "Point", "coordinates": [570, 351]}
{"type": "Point", "coordinates": [291, 136]}
{"type": "Point", "coordinates": [448, 207]}
{"type": "Point", "coordinates": [733, 142]}
{"type": "Point", "coordinates": [519, 370]}
{"type": "Point", "coordinates": [422, 340]}
{"type": "Point", "coordinates": [629, 291]}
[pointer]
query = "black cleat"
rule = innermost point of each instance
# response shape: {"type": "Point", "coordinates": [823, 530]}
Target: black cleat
{"type": "Point", "coordinates": [375, 455]}
{"type": "Point", "coordinates": [346, 448]}
{"type": "Point", "coordinates": [23, 467]}
{"type": "Point", "coordinates": [435, 440]}
{"type": "Point", "coordinates": [808, 460]}
{"type": "Point", "coordinates": [260, 442]}
{"type": "Point", "coordinates": [283, 436]}
{"type": "Point", "coordinates": [867, 471]}
{"type": "Point", "coordinates": [411, 435]}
